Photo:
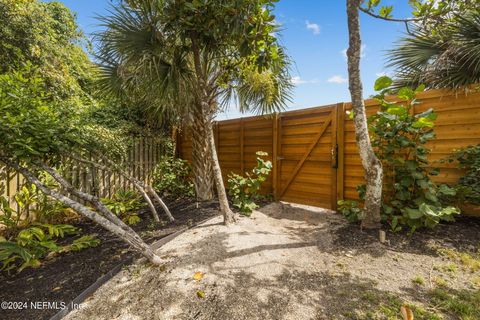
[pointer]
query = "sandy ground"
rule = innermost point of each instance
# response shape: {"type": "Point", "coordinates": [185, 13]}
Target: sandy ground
{"type": "Point", "coordinates": [282, 263]}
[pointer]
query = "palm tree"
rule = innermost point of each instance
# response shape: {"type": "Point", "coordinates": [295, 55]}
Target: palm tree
{"type": "Point", "coordinates": [192, 59]}
{"type": "Point", "coordinates": [449, 57]}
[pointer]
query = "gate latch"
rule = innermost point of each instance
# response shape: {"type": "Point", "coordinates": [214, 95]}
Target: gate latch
{"type": "Point", "coordinates": [335, 157]}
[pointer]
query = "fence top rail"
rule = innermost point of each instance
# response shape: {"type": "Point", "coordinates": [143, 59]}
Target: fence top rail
{"type": "Point", "coordinates": [271, 116]}
{"type": "Point", "coordinates": [429, 94]}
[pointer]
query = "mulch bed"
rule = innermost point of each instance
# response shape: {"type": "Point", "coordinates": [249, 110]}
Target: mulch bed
{"type": "Point", "coordinates": [462, 235]}
{"type": "Point", "coordinates": [64, 277]}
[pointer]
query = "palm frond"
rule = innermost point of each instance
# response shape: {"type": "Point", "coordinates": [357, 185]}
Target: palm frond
{"type": "Point", "coordinates": [446, 59]}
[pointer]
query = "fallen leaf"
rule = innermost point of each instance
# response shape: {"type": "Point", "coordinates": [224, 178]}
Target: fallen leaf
{"type": "Point", "coordinates": [198, 276]}
{"type": "Point", "coordinates": [200, 294]}
{"type": "Point", "coordinates": [407, 314]}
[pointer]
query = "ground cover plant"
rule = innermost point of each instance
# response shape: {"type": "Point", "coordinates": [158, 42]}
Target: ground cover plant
{"type": "Point", "coordinates": [25, 242]}
{"type": "Point", "coordinates": [125, 204]}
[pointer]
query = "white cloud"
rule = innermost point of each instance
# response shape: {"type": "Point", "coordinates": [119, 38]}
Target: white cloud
{"type": "Point", "coordinates": [315, 28]}
{"type": "Point", "coordinates": [337, 79]}
{"type": "Point", "coordinates": [362, 51]}
{"type": "Point", "coordinates": [298, 80]}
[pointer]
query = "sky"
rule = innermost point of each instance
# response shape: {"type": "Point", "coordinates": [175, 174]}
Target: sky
{"type": "Point", "coordinates": [315, 35]}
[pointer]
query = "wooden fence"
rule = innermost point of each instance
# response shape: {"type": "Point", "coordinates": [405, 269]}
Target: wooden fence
{"type": "Point", "coordinates": [314, 153]}
{"type": "Point", "coordinates": [140, 162]}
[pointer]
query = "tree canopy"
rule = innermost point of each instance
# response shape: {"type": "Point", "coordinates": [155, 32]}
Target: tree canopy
{"type": "Point", "coordinates": [45, 34]}
{"type": "Point", "coordinates": [148, 49]}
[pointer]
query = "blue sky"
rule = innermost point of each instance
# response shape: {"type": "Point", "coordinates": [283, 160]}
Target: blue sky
{"type": "Point", "coordinates": [315, 35]}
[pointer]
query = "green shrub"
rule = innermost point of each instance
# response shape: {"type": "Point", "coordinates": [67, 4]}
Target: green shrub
{"type": "Point", "coordinates": [350, 209]}
{"type": "Point", "coordinates": [172, 176]}
{"type": "Point", "coordinates": [468, 188]}
{"type": "Point", "coordinates": [31, 205]}
{"type": "Point", "coordinates": [398, 136]}
{"type": "Point", "coordinates": [125, 204]}
{"type": "Point", "coordinates": [30, 245]}
{"type": "Point", "coordinates": [245, 190]}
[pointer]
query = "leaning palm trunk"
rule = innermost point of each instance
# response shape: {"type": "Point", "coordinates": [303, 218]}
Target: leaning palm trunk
{"type": "Point", "coordinates": [109, 221]}
{"type": "Point", "coordinates": [142, 188]}
{"type": "Point", "coordinates": [228, 216]}
{"type": "Point", "coordinates": [370, 162]}
{"type": "Point", "coordinates": [201, 155]}
{"type": "Point", "coordinates": [140, 185]}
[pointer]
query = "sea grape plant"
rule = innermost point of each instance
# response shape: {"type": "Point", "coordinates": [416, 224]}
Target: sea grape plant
{"type": "Point", "coordinates": [468, 187]}
{"type": "Point", "coordinates": [399, 137]}
{"type": "Point", "coordinates": [410, 197]}
{"type": "Point", "coordinates": [244, 190]}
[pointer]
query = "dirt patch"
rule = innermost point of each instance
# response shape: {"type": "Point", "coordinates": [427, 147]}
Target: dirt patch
{"type": "Point", "coordinates": [66, 276]}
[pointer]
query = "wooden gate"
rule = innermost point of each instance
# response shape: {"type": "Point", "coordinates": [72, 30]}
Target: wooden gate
{"type": "Point", "coordinates": [306, 161]}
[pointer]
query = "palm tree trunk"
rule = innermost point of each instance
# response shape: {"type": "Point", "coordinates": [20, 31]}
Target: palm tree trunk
{"type": "Point", "coordinates": [371, 164]}
{"type": "Point", "coordinates": [201, 155]}
{"type": "Point", "coordinates": [228, 216]}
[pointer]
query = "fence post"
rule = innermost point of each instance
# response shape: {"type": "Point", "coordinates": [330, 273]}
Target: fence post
{"type": "Point", "coordinates": [274, 156]}
{"type": "Point", "coordinates": [242, 151]}
{"type": "Point", "coordinates": [340, 151]}
{"type": "Point", "coordinates": [334, 156]}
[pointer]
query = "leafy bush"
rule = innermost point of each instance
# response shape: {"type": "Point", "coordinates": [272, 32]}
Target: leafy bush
{"type": "Point", "coordinates": [410, 197]}
{"type": "Point", "coordinates": [84, 242]}
{"type": "Point", "coordinates": [468, 188]}
{"type": "Point", "coordinates": [245, 190]}
{"type": "Point", "coordinates": [350, 209]}
{"type": "Point", "coordinates": [23, 242]}
{"type": "Point", "coordinates": [32, 244]}
{"type": "Point", "coordinates": [172, 176]}
{"type": "Point", "coordinates": [125, 204]}
{"type": "Point", "coordinates": [32, 206]}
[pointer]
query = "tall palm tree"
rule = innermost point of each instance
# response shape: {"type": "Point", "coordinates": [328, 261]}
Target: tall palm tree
{"type": "Point", "coordinates": [449, 57]}
{"type": "Point", "coordinates": [192, 59]}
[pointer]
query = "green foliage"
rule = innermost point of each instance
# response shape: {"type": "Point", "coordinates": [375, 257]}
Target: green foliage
{"type": "Point", "coordinates": [83, 242]}
{"type": "Point", "coordinates": [244, 191]}
{"type": "Point", "coordinates": [32, 124]}
{"type": "Point", "coordinates": [32, 206]}
{"type": "Point", "coordinates": [350, 210]}
{"type": "Point", "coordinates": [468, 188]}
{"type": "Point", "coordinates": [46, 35]}
{"type": "Point", "coordinates": [172, 176]}
{"type": "Point", "coordinates": [125, 204]}
{"type": "Point", "coordinates": [441, 52]}
{"type": "Point", "coordinates": [410, 197]}
{"type": "Point", "coordinates": [32, 244]}
{"type": "Point", "coordinates": [465, 304]}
